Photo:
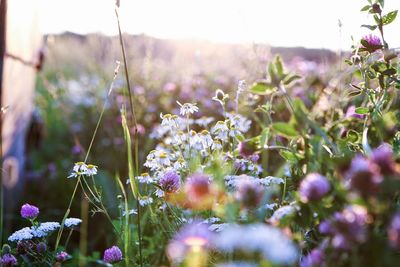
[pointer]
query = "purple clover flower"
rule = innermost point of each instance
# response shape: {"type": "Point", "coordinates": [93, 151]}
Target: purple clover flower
{"type": "Point", "coordinates": [394, 231]}
{"type": "Point", "coordinates": [170, 182]}
{"type": "Point", "coordinates": [372, 40]}
{"type": "Point", "coordinates": [29, 211]}
{"type": "Point", "coordinates": [313, 187]}
{"type": "Point", "coordinates": [383, 157]}
{"type": "Point", "coordinates": [249, 192]}
{"type": "Point", "coordinates": [41, 247]}
{"type": "Point", "coordinates": [112, 255]}
{"type": "Point", "coordinates": [314, 259]}
{"type": "Point", "coordinates": [191, 237]}
{"type": "Point", "coordinates": [62, 256]}
{"type": "Point", "coordinates": [8, 260]}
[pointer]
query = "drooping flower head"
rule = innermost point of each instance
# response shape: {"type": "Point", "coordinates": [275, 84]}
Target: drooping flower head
{"type": "Point", "coordinates": [29, 211]}
{"type": "Point", "coordinates": [193, 237]}
{"type": "Point", "coordinates": [8, 260]}
{"type": "Point", "coordinates": [394, 231]}
{"type": "Point", "coordinates": [314, 187]}
{"type": "Point", "coordinates": [62, 256]}
{"type": "Point", "coordinates": [112, 255]}
{"type": "Point", "coordinates": [170, 182]}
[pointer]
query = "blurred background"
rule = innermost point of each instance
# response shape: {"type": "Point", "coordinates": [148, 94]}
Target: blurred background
{"type": "Point", "coordinates": [58, 58]}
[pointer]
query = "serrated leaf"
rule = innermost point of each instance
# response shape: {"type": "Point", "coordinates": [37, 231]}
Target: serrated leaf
{"type": "Point", "coordinates": [261, 88]}
{"type": "Point", "coordinates": [362, 110]}
{"type": "Point", "coordinates": [389, 17]}
{"type": "Point", "coordinates": [371, 27]}
{"type": "Point", "coordinates": [285, 129]}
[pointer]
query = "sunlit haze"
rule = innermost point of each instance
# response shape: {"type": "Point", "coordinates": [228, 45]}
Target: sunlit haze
{"type": "Point", "coordinates": [309, 23]}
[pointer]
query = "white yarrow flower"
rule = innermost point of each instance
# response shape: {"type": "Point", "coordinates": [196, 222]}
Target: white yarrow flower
{"type": "Point", "coordinates": [72, 222]}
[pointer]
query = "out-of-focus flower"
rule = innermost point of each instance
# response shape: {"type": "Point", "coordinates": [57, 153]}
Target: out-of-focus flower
{"type": "Point", "coordinates": [8, 260]}
{"type": "Point", "coordinates": [197, 186]}
{"type": "Point", "coordinates": [363, 176]}
{"type": "Point", "coordinates": [112, 255]}
{"type": "Point", "coordinates": [325, 227]}
{"type": "Point", "coordinates": [282, 214]}
{"type": "Point", "coordinates": [144, 178]}
{"type": "Point", "coordinates": [383, 157]}
{"type": "Point", "coordinates": [394, 231]}
{"type": "Point", "coordinates": [29, 211]}
{"type": "Point", "coordinates": [237, 264]}
{"type": "Point", "coordinates": [246, 149]}
{"type": "Point", "coordinates": [62, 256]}
{"type": "Point", "coordinates": [72, 222]}
{"type": "Point", "coordinates": [313, 187]}
{"type": "Point", "coordinates": [41, 247]}
{"type": "Point", "coordinates": [194, 237]}
{"type": "Point", "coordinates": [169, 87]}
{"type": "Point", "coordinates": [351, 113]}
{"type": "Point", "coordinates": [170, 182]}
{"type": "Point", "coordinates": [249, 192]}
{"type": "Point", "coordinates": [314, 259]}
{"type": "Point", "coordinates": [77, 149]}
{"type": "Point", "coordinates": [91, 170]}
{"type": "Point", "coordinates": [273, 244]}
{"type": "Point", "coordinates": [145, 200]}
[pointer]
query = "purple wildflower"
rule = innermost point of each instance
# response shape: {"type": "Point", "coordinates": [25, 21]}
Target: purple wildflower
{"type": "Point", "coordinates": [314, 187]}
{"type": "Point", "coordinates": [351, 113]}
{"type": "Point", "coordinates": [191, 237]}
{"type": "Point", "coordinates": [246, 149]}
{"type": "Point", "coordinates": [8, 260]}
{"type": "Point", "coordinates": [372, 40]}
{"type": "Point", "coordinates": [170, 182]}
{"type": "Point", "coordinates": [62, 256]}
{"type": "Point", "coordinates": [29, 211]}
{"type": "Point", "coordinates": [394, 231]}
{"type": "Point", "coordinates": [383, 157]}
{"type": "Point", "coordinates": [112, 255]}
{"type": "Point", "coordinates": [325, 227]}
{"type": "Point", "coordinates": [363, 176]}
{"type": "Point", "coordinates": [249, 192]}
{"type": "Point", "coordinates": [314, 259]}
{"type": "Point", "coordinates": [41, 247]}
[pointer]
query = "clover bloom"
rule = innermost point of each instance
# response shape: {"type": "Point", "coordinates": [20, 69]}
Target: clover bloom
{"type": "Point", "coordinates": [170, 182]}
{"type": "Point", "coordinates": [112, 255]}
{"type": "Point", "coordinates": [314, 187]}
{"type": "Point", "coordinates": [29, 211]}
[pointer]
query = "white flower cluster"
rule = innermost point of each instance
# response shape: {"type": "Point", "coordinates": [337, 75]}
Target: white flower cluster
{"type": "Point", "coordinates": [72, 222]}
{"type": "Point", "coordinates": [27, 233]}
{"type": "Point", "coordinates": [232, 181]}
{"type": "Point", "coordinates": [81, 168]}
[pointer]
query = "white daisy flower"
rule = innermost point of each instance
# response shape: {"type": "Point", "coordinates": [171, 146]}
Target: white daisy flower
{"type": "Point", "coordinates": [188, 108]}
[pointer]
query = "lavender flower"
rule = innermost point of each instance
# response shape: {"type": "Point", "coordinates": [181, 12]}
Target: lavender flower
{"type": "Point", "coordinates": [313, 187]}
{"type": "Point", "coordinates": [314, 259]}
{"type": "Point", "coordinates": [170, 182]}
{"type": "Point", "coordinates": [249, 192]}
{"type": "Point", "coordinates": [394, 231]}
{"type": "Point", "coordinates": [62, 256]}
{"type": "Point", "coordinates": [29, 211]}
{"type": "Point", "coordinates": [8, 260]}
{"type": "Point", "coordinates": [383, 157]}
{"type": "Point", "coordinates": [363, 176]}
{"type": "Point", "coordinates": [112, 255]}
{"type": "Point", "coordinates": [191, 237]}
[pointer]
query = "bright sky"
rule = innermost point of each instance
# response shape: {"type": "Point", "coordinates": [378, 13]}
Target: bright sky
{"type": "Point", "coordinates": [309, 23]}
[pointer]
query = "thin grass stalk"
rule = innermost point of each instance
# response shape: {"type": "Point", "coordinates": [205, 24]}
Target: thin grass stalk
{"type": "Point", "coordinates": [135, 135]}
{"type": "Point", "coordinates": [126, 221]}
{"type": "Point", "coordinates": [83, 231]}
{"type": "Point", "coordinates": [59, 234]}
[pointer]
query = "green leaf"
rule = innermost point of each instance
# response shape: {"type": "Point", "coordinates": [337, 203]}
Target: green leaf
{"type": "Point", "coordinates": [389, 17]}
{"type": "Point", "coordinates": [264, 137]}
{"type": "Point", "coordinates": [371, 27]}
{"type": "Point", "coordinates": [272, 74]}
{"type": "Point", "coordinates": [285, 129]}
{"type": "Point", "coordinates": [279, 65]}
{"type": "Point", "coordinates": [362, 110]}
{"type": "Point", "coordinates": [365, 8]}
{"type": "Point", "coordinates": [291, 78]}
{"type": "Point", "coordinates": [290, 156]}
{"type": "Point", "coordinates": [389, 72]}
{"type": "Point", "coordinates": [377, 19]}
{"type": "Point", "coordinates": [261, 88]}
{"type": "Point", "coordinates": [354, 93]}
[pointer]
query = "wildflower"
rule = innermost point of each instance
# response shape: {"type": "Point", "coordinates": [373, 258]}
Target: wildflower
{"type": "Point", "coordinates": [351, 113]}
{"type": "Point", "coordinates": [383, 157]}
{"type": "Point", "coordinates": [220, 130]}
{"type": "Point", "coordinates": [313, 187]}
{"type": "Point", "coordinates": [282, 213]}
{"type": "Point", "coordinates": [130, 212]}
{"type": "Point", "coordinates": [204, 121]}
{"type": "Point", "coordinates": [192, 237]}
{"type": "Point", "coordinates": [188, 108]}
{"type": "Point", "coordinates": [238, 124]}
{"type": "Point", "coordinates": [72, 222]}
{"type": "Point", "coordinates": [29, 211]}
{"type": "Point", "coordinates": [205, 139]}
{"type": "Point", "coordinates": [62, 256]}
{"type": "Point", "coordinates": [394, 231]}
{"type": "Point", "coordinates": [363, 176]}
{"type": "Point", "coordinates": [220, 97]}
{"type": "Point", "coordinates": [273, 244]}
{"type": "Point", "coordinates": [112, 255]}
{"type": "Point", "coordinates": [371, 43]}
{"type": "Point", "coordinates": [325, 227]}
{"type": "Point", "coordinates": [249, 192]}
{"type": "Point", "coordinates": [144, 178]}
{"type": "Point", "coordinates": [79, 168]}
{"type": "Point", "coordinates": [314, 259]}
{"type": "Point", "coordinates": [91, 170]}
{"type": "Point", "coordinates": [8, 260]}
{"type": "Point", "coordinates": [145, 200]}
{"type": "Point", "coordinates": [44, 229]}
{"type": "Point", "coordinates": [170, 182]}
{"type": "Point", "coordinates": [22, 234]}
{"type": "Point", "coordinates": [41, 247]}
{"type": "Point", "coordinates": [169, 121]}
{"type": "Point", "coordinates": [197, 186]}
